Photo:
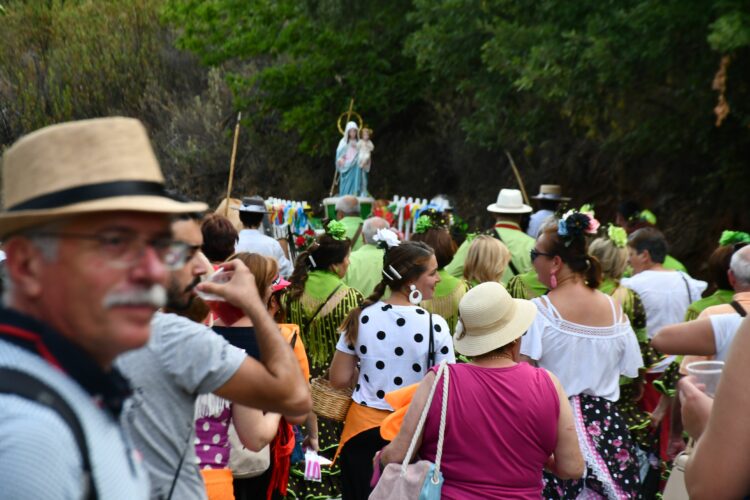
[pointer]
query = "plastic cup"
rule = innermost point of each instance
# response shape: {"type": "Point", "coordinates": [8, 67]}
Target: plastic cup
{"type": "Point", "coordinates": [707, 373]}
{"type": "Point", "coordinates": [220, 276]}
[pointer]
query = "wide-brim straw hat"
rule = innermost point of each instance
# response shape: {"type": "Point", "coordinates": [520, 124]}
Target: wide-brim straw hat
{"type": "Point", "coordinates": [490, 318]}
{"type": "Point", "coordinates": [551, 192]}
{"type": "Point", "coordinates": [509, 201]}
{"type": "Point", "coordinates": [82, 167]}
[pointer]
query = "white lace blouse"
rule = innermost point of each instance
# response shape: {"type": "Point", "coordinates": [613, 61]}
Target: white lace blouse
{"type": "Point", "coordinates": [586, 359]}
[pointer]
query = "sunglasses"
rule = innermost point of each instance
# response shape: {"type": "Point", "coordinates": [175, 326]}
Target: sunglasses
{"type": "Point", "coordinates": [534, 253]}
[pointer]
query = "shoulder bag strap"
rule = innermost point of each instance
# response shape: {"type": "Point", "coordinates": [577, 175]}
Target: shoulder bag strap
{"type": "Point", "coordinates": [512, 266]}
{"type": "Point", "coordinates": [26, 386]}
{"type": "Point", "coordinates": [738, 307]}
{"type": "Point", "coordinates": [431, 347]}
{"type": "Point", "coordinates": [188, 442]}
{"type": "Point", "coordinates": [357, 234]}
{"type": "Point", "coordinates": [687, 287]}
{"type": "Point", "coordinates": [442, 370]}
{"type": "Point", "coordinates": [320, 308]}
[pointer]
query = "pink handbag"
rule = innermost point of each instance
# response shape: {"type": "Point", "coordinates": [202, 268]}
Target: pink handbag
{"type": "Point", "coordinates": [421, 480]}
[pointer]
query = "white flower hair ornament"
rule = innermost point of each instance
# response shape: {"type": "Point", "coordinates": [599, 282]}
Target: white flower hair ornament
{"type": "Point", "coordinates": [386, 239]}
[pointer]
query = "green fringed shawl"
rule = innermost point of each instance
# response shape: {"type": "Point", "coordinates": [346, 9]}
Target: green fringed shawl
{"type": "Point", "coordinates": [320, 336]}
{"type": "Point", "coordinates": [448, 294]}
{"type": "Point", "coordinates": [526, 286]}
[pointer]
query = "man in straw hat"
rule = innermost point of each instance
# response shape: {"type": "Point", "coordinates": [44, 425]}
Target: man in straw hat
{"type": "Point", "coordinates": [549, 199]}
{"type": "Point", "coordinates": [85, 227]}
{"type": "Point", "coordinates": [508, 210]}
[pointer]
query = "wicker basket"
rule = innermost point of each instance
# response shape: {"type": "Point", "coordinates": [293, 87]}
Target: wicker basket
{"type": "Point", "coordinates": [329, 402]}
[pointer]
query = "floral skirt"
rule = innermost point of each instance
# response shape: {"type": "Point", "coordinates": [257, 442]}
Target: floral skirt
{"type": "Point", "coordinates": [611, 464]}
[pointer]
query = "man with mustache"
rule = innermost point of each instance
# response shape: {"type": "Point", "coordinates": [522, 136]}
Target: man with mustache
{"type": "Point", "coordinates": [85, 226]}
{"type": "Point", "coordinates": [184, 359]}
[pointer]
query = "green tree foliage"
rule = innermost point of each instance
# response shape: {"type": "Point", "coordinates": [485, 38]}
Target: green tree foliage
{"type": "Point", "coordinates": [308, 59]}
{"type": "Point", "coordinates": [61, 60]}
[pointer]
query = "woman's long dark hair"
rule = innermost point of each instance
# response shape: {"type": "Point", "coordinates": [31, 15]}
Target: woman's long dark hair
{"type": "Point", "coordinates": [573, 251]}
{"type": "Point", "coordinates": [326, 252]}
{"type": "Point", "coordinates": [409, 260]}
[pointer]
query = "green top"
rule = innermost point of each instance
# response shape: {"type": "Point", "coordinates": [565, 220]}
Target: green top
{"type": "Point", "coordinates": [519, 244]}
{"type": "Point", "coordinates": [365, 269]}
{"type": "Point", "coordinates": [352, 222]}
{"type": "Point", "coordinates": [717, 298]}
{"type": "Point", "coordinates": [321, 335]}
{"type": "Point", "coordinates": [448, 294]}
{"type": "Point", "coordinates": [674, 264]}
{"type": "Point", "coordinates": [526, 286]}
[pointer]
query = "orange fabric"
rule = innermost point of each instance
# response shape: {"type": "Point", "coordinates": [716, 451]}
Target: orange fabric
{"type": "Point", "coordinates": [218, 484]}
{"type": "Point", "coordinates": [399, 401]}
{"type": "Point", "coordinates": [359, 419]}
{"type": "Point", "coordinates": [288, 330]}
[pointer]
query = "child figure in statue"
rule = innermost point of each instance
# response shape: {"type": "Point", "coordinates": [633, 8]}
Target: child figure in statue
{"type": "Point", "coordinates": [347, 162]}
{"type": "Point", "coordinates": [364, 148]}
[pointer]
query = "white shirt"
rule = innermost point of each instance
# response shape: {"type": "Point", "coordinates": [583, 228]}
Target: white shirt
{"type": "Point", "coordinates": [665, 296]}
{"type": "Point", "coordinates": [392, 347]}
{"type": "Point", "coordinates": [725, 327]}
{"type": "Point", "coordinates": [253, 241]}
{"type": "Point", "coordinates": [586, 359]}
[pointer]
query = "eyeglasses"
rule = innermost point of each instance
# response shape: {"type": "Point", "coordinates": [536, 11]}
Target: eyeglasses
{"type": "Point", "coordinates": [534, 253]}
{"type": "Point", "coordinates": [123, 247]}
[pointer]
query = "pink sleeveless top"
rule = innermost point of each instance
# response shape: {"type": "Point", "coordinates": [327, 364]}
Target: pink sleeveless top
{"type": "Point", "coordinates": [501, 428]}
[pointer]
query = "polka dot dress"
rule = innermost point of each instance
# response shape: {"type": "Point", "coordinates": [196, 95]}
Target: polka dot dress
{"type": "Point", "coordinates": [392, 346]}
{"type": "Point", "coordinates": [212, 441]}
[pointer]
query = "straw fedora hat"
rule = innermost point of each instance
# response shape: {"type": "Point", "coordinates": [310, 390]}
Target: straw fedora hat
{"type": "Point", "coordinates": [86, 166]}
{"type": "Point", "coordinates": [509, 201]}
{"type": "Point", "coordinates": [490, 319]}
{"type": "Point", "coordinates": [550, 192]}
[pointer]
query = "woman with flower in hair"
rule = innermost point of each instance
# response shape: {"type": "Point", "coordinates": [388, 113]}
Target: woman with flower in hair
{"type": "Point", "coordinates": [432, 229]}
{"type": "Point", "coordinates": [386, 345]}
{"type": "Point", "coordinates": [318, 301]}
{"type": "Point", "coordinates": [582, 336]}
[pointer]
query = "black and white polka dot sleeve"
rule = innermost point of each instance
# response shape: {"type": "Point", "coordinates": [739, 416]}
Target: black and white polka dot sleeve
{"type": "Point", "coordinates": [443, 340]}
{"type": "Point", "coordinates": [344, 346]}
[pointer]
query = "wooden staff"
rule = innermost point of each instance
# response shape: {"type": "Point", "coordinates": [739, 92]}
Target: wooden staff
{"type": "Point", "coordinates": [518, 178]}
{"type": "Point", "coordinates": [231, 162]}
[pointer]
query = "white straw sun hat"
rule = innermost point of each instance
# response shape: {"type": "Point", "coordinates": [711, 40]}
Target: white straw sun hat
{"type": "Point", "coordinates": [490, 319]}
{"type": "Point", "coordinates": [509, 201]}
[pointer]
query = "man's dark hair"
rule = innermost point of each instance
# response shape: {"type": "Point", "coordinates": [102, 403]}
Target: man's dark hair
{"type": "Point", "coordinates": [219, 238]}
{"type": "Point", "coordinates": [651, 239]}
{"type": "Point", "coordinates": [251, 219]}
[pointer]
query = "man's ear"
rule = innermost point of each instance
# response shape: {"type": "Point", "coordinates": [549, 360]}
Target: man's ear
{"type": "Point", "coordinates": [24, 265]}
{"type": "Point", "coordinates": [732, 278]}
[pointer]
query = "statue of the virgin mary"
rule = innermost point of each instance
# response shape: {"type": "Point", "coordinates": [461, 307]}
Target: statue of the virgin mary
{"type": "Point", "coordinates": [347, 162]}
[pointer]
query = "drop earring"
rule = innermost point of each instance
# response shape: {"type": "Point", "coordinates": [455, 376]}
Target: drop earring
{"type": "Point", "coordinates": [553, 280]}
{"type": "Point", "coordinates": [415, 296]}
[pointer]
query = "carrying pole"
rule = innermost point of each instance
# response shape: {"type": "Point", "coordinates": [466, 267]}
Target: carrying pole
{"type": "Point", "coordinates": [231, 163]}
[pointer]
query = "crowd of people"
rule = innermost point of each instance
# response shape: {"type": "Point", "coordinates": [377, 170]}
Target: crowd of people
{"type": "Point", "coordinates": [153, 348]}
